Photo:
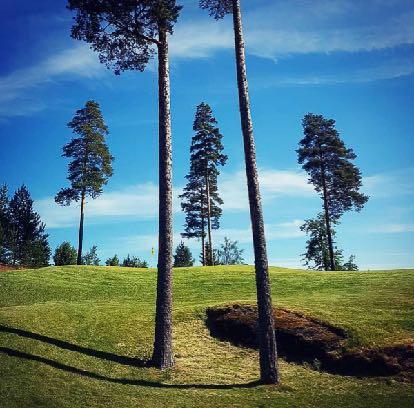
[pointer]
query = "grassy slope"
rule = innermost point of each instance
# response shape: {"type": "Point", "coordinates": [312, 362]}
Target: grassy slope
{"type": "Point", "coordinates": [111, 309]}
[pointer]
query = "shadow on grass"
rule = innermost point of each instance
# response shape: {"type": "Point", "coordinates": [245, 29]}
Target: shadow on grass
{"type": "Point", "coordinates": [125, 381]}
{"type": "Point", "coordinates": [104, 356]}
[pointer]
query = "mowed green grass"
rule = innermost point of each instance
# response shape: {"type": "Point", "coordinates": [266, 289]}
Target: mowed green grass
{"type": "Point", "coordinates": [112, 310]}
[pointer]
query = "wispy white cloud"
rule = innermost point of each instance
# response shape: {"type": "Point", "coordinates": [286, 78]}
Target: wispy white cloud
{"type": "Point", "coordinates": [390, 184]}
{"type": "Point", "coordinates": [75, 62]}
{"type": "Point", "coordinates": [138, 202]}
{"type": "Point", "coordinates": [141, 201]}
{"type": "Point", "coordinates": [388, 70]}
{"type": "Point", "coordinates": [395, 228]}
{"type": "Point", "coordinates": [199, 39]}
{"type": "Point", "coordinates": [273, 29]}
{"type": "Point", "coordinates": [315, 26]}
{"type": "Point", "coordinates": [274, 231]}
{"type": "Point", "coordinates": [273, 183]}
{"type": "Point", "coordinates": [279, 28]}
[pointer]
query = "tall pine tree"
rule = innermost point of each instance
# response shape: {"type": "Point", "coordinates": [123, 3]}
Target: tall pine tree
{"type": "Point", "coordinates": [229, 253]}
{"type": "Point", "coordinates": [336, 179]}
{"type": "Point", "coordinates": [126, 34]}
{"type": "Point", "coordinates": [91, 164]}
{"type": "Point", "coordinates": [27, 240]}
{"type": "Point", "coordinates": [200, 199]}
{"type": "Point", "coordinates": [183, 256]}
{"type": "Point", "coordinates": [269, 372]}
{"type": "Point", "coordinates": [4, 224]}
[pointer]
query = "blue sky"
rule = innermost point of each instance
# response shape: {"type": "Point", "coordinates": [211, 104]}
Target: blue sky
{"type": "Point", "coordinates": [348, 60]}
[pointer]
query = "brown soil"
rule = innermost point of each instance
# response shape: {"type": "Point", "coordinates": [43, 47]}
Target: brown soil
{"type": "Point", "coordinates": [5, 268]}
{"type": "Point", "coordinates": [305, 340]}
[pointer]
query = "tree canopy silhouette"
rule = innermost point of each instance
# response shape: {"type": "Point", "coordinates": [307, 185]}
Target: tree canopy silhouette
{"type": "Point", "coordinates": [91, 164]}
{"type": "Point", "coordinates": [336, 179]}
{"type": "Point", "coordinates": [201, 200]}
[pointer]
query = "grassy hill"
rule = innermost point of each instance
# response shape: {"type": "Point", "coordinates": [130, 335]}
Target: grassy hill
{"type": "Point", "coordinates": [67, 332]}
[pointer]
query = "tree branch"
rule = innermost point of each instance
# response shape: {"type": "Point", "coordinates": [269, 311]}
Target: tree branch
{"type": "Point", "coordinates": [149, 39]}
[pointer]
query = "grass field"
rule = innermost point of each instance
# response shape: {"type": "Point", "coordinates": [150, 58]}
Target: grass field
{"type": "Point", "coordinates": [66, 314]}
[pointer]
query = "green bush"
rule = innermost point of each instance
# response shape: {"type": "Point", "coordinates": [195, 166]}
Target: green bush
{"type": "Point", "coordinates": [65, 254]}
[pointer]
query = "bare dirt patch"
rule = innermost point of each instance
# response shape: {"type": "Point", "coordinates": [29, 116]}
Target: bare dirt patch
{"type": "Point", "coordinates": [6, 268]}
{"type": "Point", "coordinates": [305, 340]}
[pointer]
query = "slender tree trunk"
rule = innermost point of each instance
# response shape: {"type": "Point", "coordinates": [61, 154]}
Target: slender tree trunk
{"type": "Point", "coordinates": [210, 243]}
{"type": "Point", "coordinates": [203, 234]}
{"type": "Point", "coordinates": [163, 354]}
{"type": "Point", "coordinates": [269, 373]}
{"type": "Point", "coordinates": [327, 222]}
{"type": "Point", "coordinates": [80, 239]}
{"type": "Point", "coordinates": [203, 243]}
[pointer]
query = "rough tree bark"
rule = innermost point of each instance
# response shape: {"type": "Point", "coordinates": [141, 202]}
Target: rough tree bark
{"type": "Point", "coordinates": [269, 373]}
{"type": "Point", "coordinates": [163, 354]}
{"type": "Point", "coordinates": [203, 244]}
{"type": "Point", "coordinates": [327, 221]}
{"type": "Point", "coordinates": [210, 243]}
{"type": "Point", "coordinates": [80, 239]}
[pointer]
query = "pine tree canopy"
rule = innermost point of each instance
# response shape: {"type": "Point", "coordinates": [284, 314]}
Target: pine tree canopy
{"type": "Point", "coordinates": [206, 147]}
{"type": "Point", "coordinates": [183, 256]}
{"type": "Point", "coordinates": [134, 262]}
{"type": "Point", "coordinates": [91, 257]}
{"type": "Point", "coordinates": [217, 8]}
{"type": "Point", "coordinates": [114, 261]}
{"type": "Point", "coordinates": [4, 221]}
{"type": "Point", "coordinates": [194, 205]}
{"type": "Point", "coordinates": [91, 164]}
{"type": "Point", "coordinates": [317, 250]}
{"type": "Point", "coordinates": [206, 154]}
{"type": "Point", "coordinates": [65, 254]}
{"type": "Point", "coordinates": [26, 238]}
{"type": "Point", "coordinates": [229, 253]}
{"type": "Point", "coordinates": [123, 33]}
{"type": "Point", "coordinates": [326, 159]}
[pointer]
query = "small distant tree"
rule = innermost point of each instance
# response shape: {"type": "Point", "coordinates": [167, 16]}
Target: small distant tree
{"type": "Point", "coordinates": [213, 258]}
{"type": "Point", "coordinates": [27, 240]}
{"type": "Point", "coordinates": [350, 265]}
{"type": "Point", "coordinates": [128, 262]}
{"type": "Point", "coordinates": [229, 253]}
{"type": "Point", "coordinates": [336, 179]}
{"type": "Point", "coordinates": [200, 199]}
{"type": "Point", "coordinates": [114, 261]}
{"type": "Point", "coordinates": [38, 253]}
{"type": "Point", "coordinates": [134, 262]}
{"type": "Point", "coordinates": [91, 257]}
{"type": "Point", "coordinates": [4, 225]}
{"type": "Point", "coordinates": [317, 249]}
{"type": "Point", "coordinates": [140, 263]}
{"type": "Point", "coordinates": [183, 256]}
{"type": "Point", "coordinates": [65, 254]}
{"type": "Point", "coordinates": [91, 164]}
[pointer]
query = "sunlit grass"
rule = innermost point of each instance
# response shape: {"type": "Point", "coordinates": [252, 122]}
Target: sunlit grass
{"type": "Point", "coordinates": [112, 310]}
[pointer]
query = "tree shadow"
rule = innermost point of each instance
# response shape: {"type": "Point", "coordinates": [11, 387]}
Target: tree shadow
{"type": "Point", "coordinates": [130, 361]}
{"type": "Point", "coordinates": [103, 355]}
